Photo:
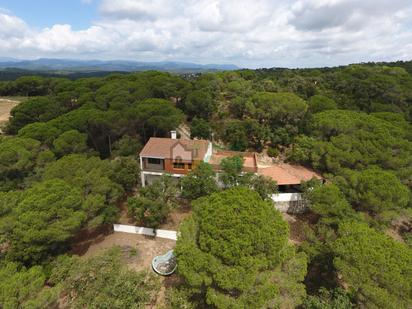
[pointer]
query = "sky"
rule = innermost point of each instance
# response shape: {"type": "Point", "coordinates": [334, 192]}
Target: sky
{"type": "Point", "coordinates": [248, 33]}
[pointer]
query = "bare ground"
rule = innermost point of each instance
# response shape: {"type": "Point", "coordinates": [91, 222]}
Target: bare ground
{"type": "Point", "coordinates": [175, 217]}
{"type": "Point", "coordinates": [6, 105]}
{"type": "Point", "coordinates": [297, 234]}
{"type": "Point", "coordinates": [142, 249]}
{"type": "Point", "coordinates": [137, 253]}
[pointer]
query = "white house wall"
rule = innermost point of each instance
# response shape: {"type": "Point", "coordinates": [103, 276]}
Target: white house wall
{"type": "Point", "coordinates": [293, 203]}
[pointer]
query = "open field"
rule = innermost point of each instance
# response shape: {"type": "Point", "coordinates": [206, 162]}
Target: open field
{"type": "Point", "coordinates": [6, 105]}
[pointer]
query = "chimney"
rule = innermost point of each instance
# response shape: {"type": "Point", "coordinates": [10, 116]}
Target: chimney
{"type": "Point", "coordinates": [173, 134]}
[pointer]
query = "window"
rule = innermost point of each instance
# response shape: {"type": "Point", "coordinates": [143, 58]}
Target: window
{"type": "Point", "coordinates": [178, 165]}
{"type": "Point", "coordinates": [154, 161]}
{"type": "Point", "coordinates": [189, 166]}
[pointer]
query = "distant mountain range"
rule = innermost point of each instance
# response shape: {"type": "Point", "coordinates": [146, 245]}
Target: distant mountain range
{"type": "Point", "coordinates": [72, 65]}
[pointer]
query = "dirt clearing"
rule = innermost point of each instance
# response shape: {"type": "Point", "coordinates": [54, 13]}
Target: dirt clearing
{"type": "Point", "coordinates": [6, 105]}
{"type": "Point", "coordinates": [296, 229]}
{"type": "Point", "coordinates": [141, 249]}
{"type": "Point", "coordinates": [138, 253]}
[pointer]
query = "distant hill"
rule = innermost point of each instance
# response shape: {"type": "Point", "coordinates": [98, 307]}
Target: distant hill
{"type": "Point", "coordinates": [10, 74]}
{"type": "Point", "coordinates": [67, 66]}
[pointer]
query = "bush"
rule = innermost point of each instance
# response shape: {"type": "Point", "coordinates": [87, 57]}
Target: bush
{"type": "Point", "coordinates": [273, 152]}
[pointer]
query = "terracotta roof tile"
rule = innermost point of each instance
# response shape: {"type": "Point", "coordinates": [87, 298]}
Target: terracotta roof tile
{"type": "Point", "coordinates": [288, 174]}
{"type": "Point", "coordinates": [249, 160]}
{"type": "Point", "coordinates": [162, 148]}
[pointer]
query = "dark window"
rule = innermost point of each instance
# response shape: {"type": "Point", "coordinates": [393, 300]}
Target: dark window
{"type": "Point", "coordinates": [178, 165]}
{"type": "Point", "coordinates": [189, 166]}
{"type": "Point", "coordinates": [154, 161]}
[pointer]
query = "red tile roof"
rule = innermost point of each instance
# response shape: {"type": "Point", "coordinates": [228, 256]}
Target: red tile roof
{"type": "Point", "coordinates": [158, 147]}
{"type": "Point", "coordinates": [288, 174]}
{"type": "Point", "coordinates": [249, 159]}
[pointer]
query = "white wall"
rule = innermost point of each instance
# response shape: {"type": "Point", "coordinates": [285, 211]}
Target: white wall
{"type": "Point", "coordinates": [208, 152]}
{"type": "Point", "coordinates": [131, 229]}
{"type": "Point", "coordinates": [290, 202]}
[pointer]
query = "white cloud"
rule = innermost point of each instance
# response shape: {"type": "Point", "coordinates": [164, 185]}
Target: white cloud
{"type": "Point", "coordinates": [245, 32]}
{"type": "Point", "coordinates": [11, 26]}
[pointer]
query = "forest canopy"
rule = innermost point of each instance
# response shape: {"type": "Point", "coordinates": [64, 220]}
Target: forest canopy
{"type": "Point", "coordinates": [69, 158]}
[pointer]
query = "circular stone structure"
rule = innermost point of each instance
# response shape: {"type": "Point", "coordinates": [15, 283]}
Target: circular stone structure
{"type": "Point", "coordinates": [164, 264]}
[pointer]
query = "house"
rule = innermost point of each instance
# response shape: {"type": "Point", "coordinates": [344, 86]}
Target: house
{"type": "Point", "coordinates": [177, 157]}
{"type": "Point", "coordinates": [173, 156]}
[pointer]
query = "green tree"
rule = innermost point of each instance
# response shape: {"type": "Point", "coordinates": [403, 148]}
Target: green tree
{"type": "Point", "coordinates": [329, 299]}
{"type": "Point", "coordinates": [257, 133]}
{"type": "Point", "coordinates": [70, 142]}
{"type": "Point", "coordinates": [236, 135]}
{"type": "Point", "coordinates": [200, 103]}
{"type": "Point", "coordinates": [284, 135]}
{"type": "Point", "coordinates": [329, 202]}
{"type": "Point", "coordinates": [18, 158]}
{"type": "Point", "coordinates": [150, 212]}
{"type": "Point", "coordinates": [126, 172]}
{"type": "Point", "coordinates": [31, 85]}
{"type": "Point", "coordinates": [127, 146]}
{"type": "Point", "coordinates": [373, 190]}
{"type": "Point", "coordinates": [42, 220]}
{"type": "Point", "coordinates": [164, 189]}
{"type": "Point", "coordinates": [41, 131]}
{"type": "Point", "coordinates": [200, 128]}
{"type": "Point", "coordinates": [19, 284]}
{"type": "Point", "coordinates": [96, 181]}
{"type": "Point", "coordinates": [347, 139]}
{"type": "Point", "coordinates": [263, 185]}
{"type": "Point", "coordinates": [39, 109]}
{"type": "Point", "coordinates": [199, 182]}
{"type": "Point", "coordinates": [376, 269]}
{"type": "Point", "coordinates": [278, 108]}
{"type": "Point", "coordinates": [231, 173]}
{"type": "Point", "coordinates": [154, 202]}
{"type": "Point", "coordinates": [226, 263]}
{"type": "Point", "coordinates": [155, 117]}
{"type": "Point", "coordinates": [320, 103]}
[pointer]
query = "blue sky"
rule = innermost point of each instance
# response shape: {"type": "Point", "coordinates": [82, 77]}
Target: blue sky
{"type": "Point", "coordinates": [43, 13]}
{"type": "Point", "coordinates": [248, 33]}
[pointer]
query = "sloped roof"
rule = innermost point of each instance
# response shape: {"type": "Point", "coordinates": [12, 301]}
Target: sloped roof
{"type": "Point", "coordinates": [288, 174]}
{"type": "Point", "coordinates": [162, 148]}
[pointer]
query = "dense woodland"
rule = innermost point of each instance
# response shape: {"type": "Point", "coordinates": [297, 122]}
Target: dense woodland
{"type": "Point", "coordinates": [69, 156]}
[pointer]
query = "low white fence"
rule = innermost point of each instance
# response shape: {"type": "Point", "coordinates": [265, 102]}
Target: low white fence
{"type": "Point", "coordinates": [290, 202]}
{"type": "Point", "coordinates": [131, 229]}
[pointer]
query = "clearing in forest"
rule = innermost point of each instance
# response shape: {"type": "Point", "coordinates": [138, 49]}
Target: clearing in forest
{"type": "Point", "coordinates": [6, 105]}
